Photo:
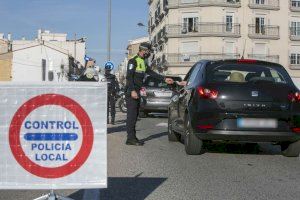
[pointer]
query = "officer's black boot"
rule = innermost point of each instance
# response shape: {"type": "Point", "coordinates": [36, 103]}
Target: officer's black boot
{"type": "Point", "coordinates": [134, 142]}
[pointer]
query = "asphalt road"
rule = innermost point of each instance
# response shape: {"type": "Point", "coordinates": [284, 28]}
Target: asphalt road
{"type": "Point", "coordinates": [162, 170]}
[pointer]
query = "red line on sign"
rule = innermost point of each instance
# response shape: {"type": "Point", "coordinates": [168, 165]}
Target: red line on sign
{"type": "Point", "coordinates": [87, 134]}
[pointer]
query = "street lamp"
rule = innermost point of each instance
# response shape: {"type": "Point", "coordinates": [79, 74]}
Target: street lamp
{"type": "Point", "coordinates": [140, 24]}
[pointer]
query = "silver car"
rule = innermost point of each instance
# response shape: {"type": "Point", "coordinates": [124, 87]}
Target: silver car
{"type": "Point", "coordinates": [155, 96]}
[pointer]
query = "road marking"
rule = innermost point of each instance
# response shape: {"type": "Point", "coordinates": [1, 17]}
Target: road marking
{"type": "Point", "coordinates": [91, 194]}
{"type": "Point", "coordinates": [162, 124]}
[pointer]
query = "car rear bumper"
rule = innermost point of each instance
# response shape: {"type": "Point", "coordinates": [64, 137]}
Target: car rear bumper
{"type": "Point", "coordinates": [152, 105]}
{"type": "Point", "coordinates": [249, 136]}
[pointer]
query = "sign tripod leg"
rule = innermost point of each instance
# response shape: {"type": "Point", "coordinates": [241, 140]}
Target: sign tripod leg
{"type": "Point", "coordinates": [53, 196]}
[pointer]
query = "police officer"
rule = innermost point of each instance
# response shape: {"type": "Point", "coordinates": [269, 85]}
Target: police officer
{"type": "Point", "coordinates": [136, 71]}
{"type": "Point", "coordinates": [113, 88]}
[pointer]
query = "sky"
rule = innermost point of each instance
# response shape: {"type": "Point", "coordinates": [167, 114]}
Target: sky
{"type": "Point", "coordinates": [86, 18]}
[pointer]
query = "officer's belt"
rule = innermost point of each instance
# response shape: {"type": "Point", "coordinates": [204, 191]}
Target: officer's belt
{"type": "Point", "coordinates": [140, 72]}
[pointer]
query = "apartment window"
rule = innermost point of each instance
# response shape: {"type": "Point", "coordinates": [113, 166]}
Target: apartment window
{"type": "Point", "coordinates": [190, 24]}
{"type": "Point", "coordinates": [43, 70]}
{"type": "Point", "coordinates": [260, 49]}
{"type": "Point", "coordinates": [229, 23]}
{"type": "Point", "coordinates": [187, 50]}
{"type": "Point", "coordinates": [158, 7]}
{"type": "Point", "coordinates": [296, 3]}
{"type": "Point", "coordinates": [260, 25]}
{"type": "Point", "coordinates": [261, 2]}
{"type": "Point", "coordinates": [229, 48]}
{"type": "Point", "coordinates": [295, 28]}
{"type": "Point", "coordinates": [295, 58]}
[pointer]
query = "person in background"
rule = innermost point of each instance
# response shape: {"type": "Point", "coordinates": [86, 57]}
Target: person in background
{"type": "Point", "coordinates": [112, 90]}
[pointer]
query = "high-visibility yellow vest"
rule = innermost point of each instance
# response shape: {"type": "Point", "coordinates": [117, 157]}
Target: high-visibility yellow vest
{"type": "Point", "coordinates": [141, 65]}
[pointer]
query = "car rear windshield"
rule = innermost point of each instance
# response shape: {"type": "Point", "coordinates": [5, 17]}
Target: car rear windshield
{"type": "Point", "coordinates": [152, 82]}
{"type": "Point", "coordinates": [242, 73]}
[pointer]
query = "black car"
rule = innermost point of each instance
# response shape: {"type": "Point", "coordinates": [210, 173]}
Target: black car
{"type": "Point", "coordinates": [236, 100]}
{"type": "Point", "coordinates": [155, 96]}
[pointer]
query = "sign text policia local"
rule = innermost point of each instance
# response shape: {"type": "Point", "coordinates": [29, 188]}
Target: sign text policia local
{"type": "Point", "coordinates": [56, 136]}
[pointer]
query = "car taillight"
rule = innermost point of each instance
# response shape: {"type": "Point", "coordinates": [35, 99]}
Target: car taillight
{"type": "Point", "coordinates": [294, 97]}
{"type": "Point", "coordinates": [207, 93]}
{"type": "Point", "coordinates": [205, 127]}
{"type": "Point", "coordinates": [246, 61]}
{"type": "Point", "coordinates": [143, 92]}
{"type": "Point", "coordinates": [296, 130]}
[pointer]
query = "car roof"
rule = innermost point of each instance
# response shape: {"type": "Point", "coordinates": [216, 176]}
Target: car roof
{"type": "Point", "coordinates": [242, 61]}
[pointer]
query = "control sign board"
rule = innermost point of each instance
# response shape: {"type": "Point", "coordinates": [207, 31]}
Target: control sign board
{"type": "Point", "coordinates": [53, 136]}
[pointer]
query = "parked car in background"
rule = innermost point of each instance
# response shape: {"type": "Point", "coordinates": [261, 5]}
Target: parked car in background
{"type": "Point", "coordinates": [155, 96]}
{"type": "Point", "coordinates": [236, 100]}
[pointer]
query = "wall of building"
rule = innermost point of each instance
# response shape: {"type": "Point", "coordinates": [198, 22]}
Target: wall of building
{"type": "Point", "coordinates": [243, 15]}
{"type": "Point", "coordinates": [27, 64]}
{"type": "Point", "coordinates": [5, 67]}
{"type": "Point", "coordinates": [3, 46]}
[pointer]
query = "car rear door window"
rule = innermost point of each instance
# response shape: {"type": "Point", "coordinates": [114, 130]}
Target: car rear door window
{"type": "Point", "coordinates": [241, 73]}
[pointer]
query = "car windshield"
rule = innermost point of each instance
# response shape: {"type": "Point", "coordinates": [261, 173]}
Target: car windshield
{"type": "Point", "coordinates": [240, 73]}
{"type": "Point", "coordinates": [152, 82]}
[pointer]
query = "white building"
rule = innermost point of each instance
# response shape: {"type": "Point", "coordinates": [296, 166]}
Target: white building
{"type": "Point", "coordinates": [185, 31]}
{"type": "Point", "coordinates": [46, 58]}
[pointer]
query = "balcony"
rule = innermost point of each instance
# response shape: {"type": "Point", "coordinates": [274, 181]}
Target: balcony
{"type": "Point", "coordinates": [175, 59]}
{"type": "Point", "coordinates": [295, 5]}
{"type": "Point", "coordinates": [267, 5]}
{"type": "Point", "coordinates": [204, 30]}
{"type": "Point", "coordinates": [263, 32]}
{"type": "Point", "coordinates": [203, 3]}
{"type": "Point", "coordinates": [264, 57]}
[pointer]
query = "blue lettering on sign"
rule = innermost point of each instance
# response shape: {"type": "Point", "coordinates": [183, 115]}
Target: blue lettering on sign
{"type": "Point", "coordinates": [42, 141]}
{"type": "Point", "coordinates": [58, 125]}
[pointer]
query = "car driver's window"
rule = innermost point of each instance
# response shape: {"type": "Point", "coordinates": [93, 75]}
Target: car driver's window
{"type": "Point", "coordinates": [194, 74]}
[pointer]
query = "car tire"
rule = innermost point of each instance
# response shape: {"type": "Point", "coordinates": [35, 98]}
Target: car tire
{"type": "Point", "coordinates": [172, 136]}
{"type": "Point", "coordinates": [122, 105]}
{"type": "Point", "coordinates": [193, 145]}
{"type": "Point", "coordinates": [290, 149]}
{"type": "Point", "coordinates": [143, 114]}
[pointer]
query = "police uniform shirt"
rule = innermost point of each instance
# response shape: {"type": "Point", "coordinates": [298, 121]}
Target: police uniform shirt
{"type": "Point", "coordinates": [136, 71]}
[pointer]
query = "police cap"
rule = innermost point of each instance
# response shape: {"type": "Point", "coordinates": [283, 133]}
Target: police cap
{"type": "Point", "coordinates": [145, 46]}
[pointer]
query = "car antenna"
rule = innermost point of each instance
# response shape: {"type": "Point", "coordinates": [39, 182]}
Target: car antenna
{"type": "Point", "coordinates": [244, 49]}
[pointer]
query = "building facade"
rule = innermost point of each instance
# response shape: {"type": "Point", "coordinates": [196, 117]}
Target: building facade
{"type": "Point", "coordinates": [46, 58]}
{"type": "Point", "coordinates": [185, 31]}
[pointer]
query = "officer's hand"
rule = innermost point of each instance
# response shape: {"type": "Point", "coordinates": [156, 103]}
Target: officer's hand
{"type": "Point", "coordinates": [182, 83]}
{"type": "Point", "coordinates": [169, 81]}
{"type": "Point", "coordinates": [134, 95]}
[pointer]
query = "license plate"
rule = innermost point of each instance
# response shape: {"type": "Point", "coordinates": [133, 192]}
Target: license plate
{"type": "Point", "coordinates": [163, 94]}
{"type": "Point", "coordinates": [257, 123]}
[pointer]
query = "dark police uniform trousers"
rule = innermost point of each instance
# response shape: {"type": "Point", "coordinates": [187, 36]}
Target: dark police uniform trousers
{"type": "Point", "coordinates": [136, 71]}
{"type": "Point", "coordinates": [113, 88]}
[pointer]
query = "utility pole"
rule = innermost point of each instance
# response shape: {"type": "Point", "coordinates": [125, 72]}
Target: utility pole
{"type": "Point", "coordinates": [109, 32]}
{"type": "Point", "coordinates": [75, 46]}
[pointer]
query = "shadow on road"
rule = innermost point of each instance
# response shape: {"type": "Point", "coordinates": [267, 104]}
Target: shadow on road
{"type": "Point", "coordinates": [116, 129]}
{"type": "Point", "coordinates": [262, 149]}
{"type": "Point", "coordinates": [124, 188]}
{"type": "Point", "coordinates": [152, 137]}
